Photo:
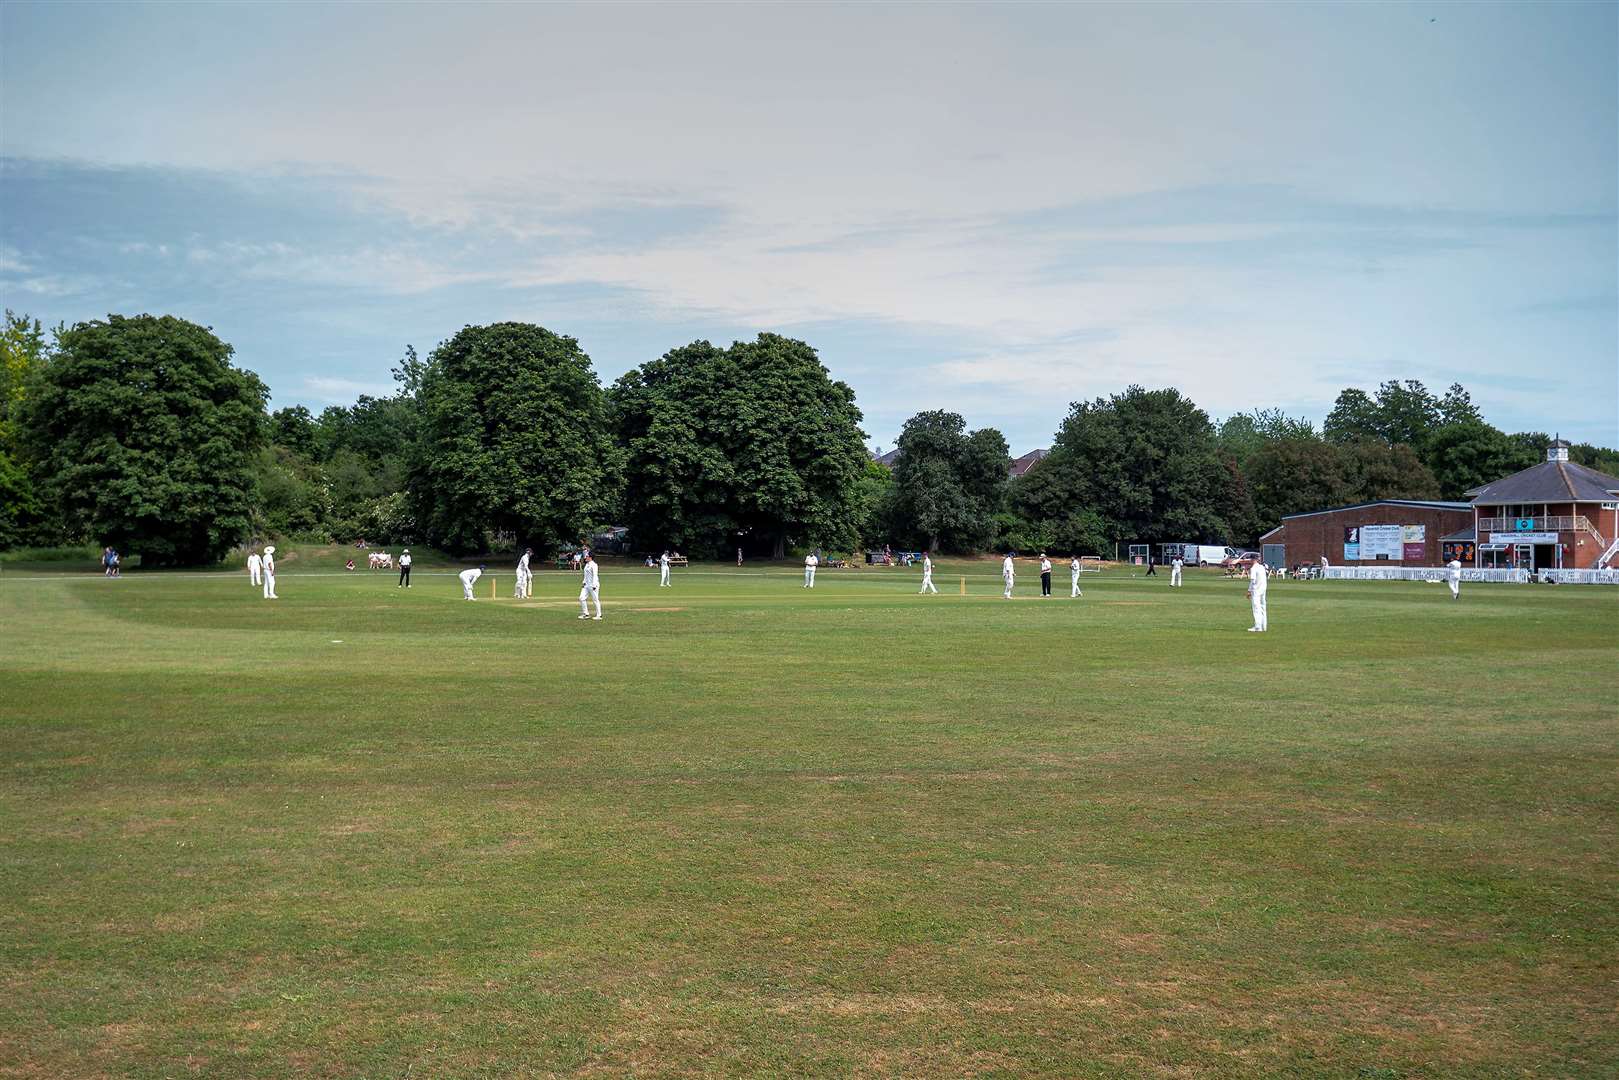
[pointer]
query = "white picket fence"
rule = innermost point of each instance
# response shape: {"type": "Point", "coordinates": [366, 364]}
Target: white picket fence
{"type": "Point", "coordinates": [1437, 573]}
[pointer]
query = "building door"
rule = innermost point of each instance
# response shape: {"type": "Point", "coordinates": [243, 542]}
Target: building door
{"type": "Point", "coordinates": [1546, 557]}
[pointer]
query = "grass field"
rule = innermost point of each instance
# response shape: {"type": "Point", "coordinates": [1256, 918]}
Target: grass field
{"type": "Point", "coordinates": [741, 829]}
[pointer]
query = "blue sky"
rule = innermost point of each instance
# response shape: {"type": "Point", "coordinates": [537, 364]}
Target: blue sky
{"type": "Point", "coordinates": [995, 209]}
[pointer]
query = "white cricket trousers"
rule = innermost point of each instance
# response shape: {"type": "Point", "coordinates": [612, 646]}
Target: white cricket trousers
{"type": "Point", "coordinates": [1455, 589]}
{"type": "Point", "coordinates": [466, 589]}
{"type": "Point", "coordinates": [255, 575]}
{"type": "Point", "coordinates": [590, 592]}
{"type": "Point", "coordinates": [663, 575]}
{"type": "Point", "coordinates": [1007, 579]}
{"type": "Point", "coordinates": [1260, 620]}
{"type": "Point", "coordinates": [927, 582]}
{"type": "Point", "coordinates": [1073, 584]}
{"type": "Point", "coordinates": [809, 577]}
{"type": "Point", "coordinates": [1174, 575]}
{"type": "Point", "coordinates": [269, 587]}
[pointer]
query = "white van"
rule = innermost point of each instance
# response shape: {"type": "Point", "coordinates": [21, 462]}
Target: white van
{"type": "Point", "coordinates": [1207, 554]}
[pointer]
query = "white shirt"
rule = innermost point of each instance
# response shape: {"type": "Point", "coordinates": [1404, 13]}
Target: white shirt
{"type": "Point", "coordinates": [269, 564]}
{"type": "Point", "coordinates": [591, 580]}
{"type": "Point", "coordinates": [1455, 568]}
{"type": "Point", "coordinates": [1258, 578]}
{"type": "Point", "coordinates": [469, 576]}
{"type": "Point", "coordinates": [1073, 564]}
{"type": "Point", "coordinates": [1006, 566]}
{"type": "Point", "coordinates": [663, 559]}
{"type": "Point", "coordinates": [522, 564]}
{"type": "Point", "coordinates": [1045, 566]}
{"type": "Point", "coordinates": [927, 565]}
{"type": "Point", "coordinates": [254, 562]}
{"type": "Point", "coordinates": [404, 560]}
{"type": "Point", "coordinates": [811, 560]}
{"type": "Point", "coordinates": [1176, 562]}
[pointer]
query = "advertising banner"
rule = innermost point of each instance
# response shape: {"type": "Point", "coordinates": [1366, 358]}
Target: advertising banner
{"type": "Point", "coordinates": [1414, 542]}
{"type": "Point", "coordinates": [1523, 538]}
{"type": "Point", "coordinates": [1381, 542]}
{"type": "Point", "coordinates": [1351, 545]}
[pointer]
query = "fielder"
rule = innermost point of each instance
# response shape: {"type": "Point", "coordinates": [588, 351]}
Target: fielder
{"type": "Point", "coordinates": [590, 590]}
{"type": "Point", "coordinates": [927, 574]}
{"type": "Point", "coordinates": [468, 579]}
{"type": "Point", "coordinates": [663, 571]}
{"type": "Point", "coordinates": [1258, 582]}
{"type": "Point", "coordinates": [810, 563]}
{"type": "Point", "coordinates": [1008, 576]}
{"type": "Point", "coordinates": [269, 574]}
{"type": "Point", "coordinates": [404, 570]}
{"type": "Point", "coordinates": [255, 568]}
{"type": "Point", "coordinates": [1454, 578]}
{"type": "Point", "coordinates": [1073, 578]}
{"type": "Point", "coordinates": [1175, 572]}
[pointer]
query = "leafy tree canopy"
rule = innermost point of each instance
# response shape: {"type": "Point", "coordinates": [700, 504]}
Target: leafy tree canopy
{"type": "Point", "coordinates": [948, 484]}
{"type": "Point", "coordinates": [145, 437]}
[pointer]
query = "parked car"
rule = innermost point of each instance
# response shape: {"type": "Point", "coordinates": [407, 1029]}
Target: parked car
{"type": "Point", "coordinates": [1207, 554]}
{"type": "Point", "coordinates": [1241, 561]}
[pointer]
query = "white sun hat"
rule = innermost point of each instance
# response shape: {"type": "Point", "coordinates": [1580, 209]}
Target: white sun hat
{"type": "Point", "coordinates": [270, 549]}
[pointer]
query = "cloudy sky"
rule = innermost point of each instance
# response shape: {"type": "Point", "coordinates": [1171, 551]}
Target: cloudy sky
{"type": "Point", "coordinates": [993, 209]}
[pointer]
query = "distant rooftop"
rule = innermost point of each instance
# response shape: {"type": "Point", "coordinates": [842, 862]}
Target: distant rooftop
{"type": "Point", "coordinates": [1027, 462]}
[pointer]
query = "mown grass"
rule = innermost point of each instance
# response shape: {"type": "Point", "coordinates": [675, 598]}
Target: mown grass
{"type": "Point", "coordinates": [742, 829]}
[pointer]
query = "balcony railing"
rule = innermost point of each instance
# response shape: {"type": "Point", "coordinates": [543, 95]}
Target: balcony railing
{"type": "Point", "coordinates": [1560, 523]}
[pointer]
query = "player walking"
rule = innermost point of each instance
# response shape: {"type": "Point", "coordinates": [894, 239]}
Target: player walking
{"type": "Point", "coordinates": [811, 561]}
{"type": "Point", "coordinates": [590, 590]}
{"type": "Point", "coordinates": [663, 571]}
{"type": "Point", "coordinates": [468, 579]}
{"type": "Point", "coordinates": [1008, 576]}
{"type": "Point", "coordinates": [269, 573]}
{"type": "Point", "coordinates": [1454, 578]}
{"type": "Point", "coordinates": [927, 574]}
{"type": "Point", "coordinates": [1073, 578]}
{"type": "Point", "coordinates": [1258, 582]}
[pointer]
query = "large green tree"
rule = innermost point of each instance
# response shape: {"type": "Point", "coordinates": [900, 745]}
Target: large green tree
{"type": "Point", "coordinates": [1471, 454]}
{"type": "Point", "coordinates": [1290, 476]}
{"type": "Point", "coordinates": [756, 439]}
{"type": "Point", "coordinates": [24, 349]}
{"type": "Point", "coordinates": [1144, 462]}
{"type": "Point", "coordinates": [144, 436]}
{"type": "Point", "coordinates": [513, 439]}
{"type": "Point", "coordinates": [949, 484]}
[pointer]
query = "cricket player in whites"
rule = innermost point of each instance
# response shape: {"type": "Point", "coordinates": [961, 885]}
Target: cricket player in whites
{"type": "Point", "coordinates": [1454, 578]}
{"type": "Point", "coordinates": [1073, 578]}
{"type": "Point", "coordinates": [255, 569]}
{"type": "Point", "coordinates": [269, 573]}
{"type": "Point", "coordinates": [1008, 576]}
{"type": "Point", "coordinates": [663, 571]}
{"type": "Point", "coordinates": [525, 577]}
{"type": "Point", "coordinates": [927, 574]}
{"type": "Point", "coordinates": [1258, 582]}
{"type": "Point", "coordinates": [590, 590]}
{"type": "Point", "coordinates": [1175, 571]}
{"type": "Point", "coordinates": [468, 579]}
{"type": "Point", "coordinates": [811, 561]}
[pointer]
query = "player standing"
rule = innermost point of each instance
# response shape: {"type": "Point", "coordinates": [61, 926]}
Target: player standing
{"type": "Point", "coordinates": [525, 576]}
{"type": "Point", "coordinates": [663, 571]}
{"type": "Point", "coordinates": [1073, 578]}
{"type": "Point", "coordinates": [590, 589]}
{"type": "Point", "coordinates": [1258, 582]}
{"type": "Point", "coordinates": [404, 570]}
{"type": "Point", "coordinates": [468, 578]}
{"type": "Point", "coordinates": [1045, 575]}
{"type": "Point", "coordinates": [811, 561]}
{"type": "Point", "coordinates": [255, 569]}
{"type": "Point", "coordinates": [1175, 571]}
{"type": "Point", "coordinates": [1008, 575]}
{"type": "Point", "coordinates": [1454, 578]}
{"type": "Point", "coordinates": [269, 573]}
{"type": "Point", "coordinates": [927, 574]}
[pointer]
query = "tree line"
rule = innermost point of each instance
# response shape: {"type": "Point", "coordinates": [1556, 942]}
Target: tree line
{"type": "Point", "coordinates": [140, 432]}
